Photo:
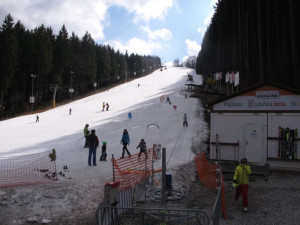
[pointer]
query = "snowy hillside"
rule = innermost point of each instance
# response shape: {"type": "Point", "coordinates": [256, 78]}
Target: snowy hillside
{"type": "Point", "coordinates": [57, 129]}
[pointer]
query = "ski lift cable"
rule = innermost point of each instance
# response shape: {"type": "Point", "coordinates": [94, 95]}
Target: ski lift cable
{"type": "Point", "coordinates": [174, 146]}
{"type": "Point", "coordinates": [172, 151]}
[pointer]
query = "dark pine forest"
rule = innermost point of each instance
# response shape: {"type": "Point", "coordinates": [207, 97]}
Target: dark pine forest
{"type": "Point", "coordinates": [40, 64]}
{"type": "Point", "coordinates": [258, 38]}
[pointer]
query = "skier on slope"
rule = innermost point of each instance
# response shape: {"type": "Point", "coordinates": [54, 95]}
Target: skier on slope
{"type": "Point", "coordinates": [107, 106]}
{"type": "Point", "coordinates": [125, 141]}
{"type": "Point", "coordinates": [185, 123]}
{"type": "Point", "coordinates": [103, 106]}
{"type": "Point", "coordinates": [168, 100]}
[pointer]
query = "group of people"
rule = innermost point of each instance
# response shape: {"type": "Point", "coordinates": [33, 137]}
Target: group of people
{"type": "Point", "coordinates": [105, 105]}
{"type": "Point", "coordinates": [125, 140]}
{"type": "Point", "coordinates": [92, 142]}
{"type": "Point", "coordinates": [185, 123]}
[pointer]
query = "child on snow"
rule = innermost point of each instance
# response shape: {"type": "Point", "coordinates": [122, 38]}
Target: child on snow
{"type": "Point", "coordinates": [143, 148]}
{"type": "Point", "coordinates": [103, 106]}
{"type": "Point", "coordinates": [104, 154]}
{"type": "Point", "coordinates": [125, 141]}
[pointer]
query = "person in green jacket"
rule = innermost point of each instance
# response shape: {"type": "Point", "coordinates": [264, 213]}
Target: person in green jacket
{"type": "Point", "coordinates": [241, 181]}
{"type": "Point", "coordinates": [86, 133]}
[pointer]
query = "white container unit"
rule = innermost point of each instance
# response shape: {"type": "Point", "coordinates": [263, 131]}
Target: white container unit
{"type": "Point", "coordinates": [246, 124]}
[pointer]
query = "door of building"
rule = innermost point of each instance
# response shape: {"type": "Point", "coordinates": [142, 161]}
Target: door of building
{"type": "Point", "coordinates": [253, 142]}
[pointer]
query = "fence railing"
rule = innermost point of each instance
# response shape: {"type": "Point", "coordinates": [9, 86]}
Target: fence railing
{"type": "Point", "coordinates": [211, 176]}
{"type": "Point", "coordinates": [138, 216]}
{"type": "Point", "coordinates": [217, 208]}
{"type": "Point", "coordinates": [124, 213]}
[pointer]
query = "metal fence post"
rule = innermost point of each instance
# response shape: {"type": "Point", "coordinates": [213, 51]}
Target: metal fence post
{"type": "Point", "coordinates": [163, 176]}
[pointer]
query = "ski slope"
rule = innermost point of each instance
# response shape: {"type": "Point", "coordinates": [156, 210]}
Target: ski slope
{"type": "Point", "coordinates": [57, 129]}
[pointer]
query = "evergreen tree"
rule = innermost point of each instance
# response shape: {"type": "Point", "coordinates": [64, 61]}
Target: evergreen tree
{"type": "Point", "coordinates": [8, 59]}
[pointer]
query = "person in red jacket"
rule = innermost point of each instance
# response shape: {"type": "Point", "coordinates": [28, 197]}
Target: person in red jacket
{"type": "Point", "coordinates": [241, 181]}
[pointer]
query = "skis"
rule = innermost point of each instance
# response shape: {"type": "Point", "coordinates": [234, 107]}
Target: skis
{"type": "Point", "coordinates": [279, 141]}
{"type": "Point", "coordinates": [63, 174]}
{"type": "Point", "coordinates": [287, 144]}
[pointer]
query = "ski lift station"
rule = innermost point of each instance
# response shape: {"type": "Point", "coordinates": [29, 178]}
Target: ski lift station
{"type": "Point", "coordinates": [261, 123]}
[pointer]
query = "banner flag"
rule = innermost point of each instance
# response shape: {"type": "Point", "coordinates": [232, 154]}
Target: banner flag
{"type": "Point", "coordinates": [231, 78]}
{"type": "Point", "coordinates": [236, 79]}
{"type": "Point", "coordinates": [227, 77]}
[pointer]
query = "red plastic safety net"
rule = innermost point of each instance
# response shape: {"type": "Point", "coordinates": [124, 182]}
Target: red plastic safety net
{"type": "Point", "coordinates": [132, 170]}
{"type": "Point", "coordinates": [27, 170]}
{"type": "Point", "coordinates": [209, 176]}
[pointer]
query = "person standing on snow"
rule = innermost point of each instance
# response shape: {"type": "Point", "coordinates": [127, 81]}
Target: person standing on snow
{"type": "Point", "coordinates": [241, 181]}
{"type": "Point", "coordinates": [143, 148]}
{"type": "Point", "coordinates": [86, 134]}
{"type": "Point", "coordinates": [70, 111]}
{"type": "Point", "coordinates": [185, 123]}
{"type": "Point", "coordinates": [104, 154]}
{"type": "Point", "coordinates": [93, 144]}
{"type": "Point", "coordinates": [37, 118]}
{"type": "Point", "coordinates": [107, 106]}
{"type": "Point", "coordinates": [103, 106]}
{"type": "Point", "coordinates": [168, 100]}
{"type": "Point", "coordinates": [125, 141]}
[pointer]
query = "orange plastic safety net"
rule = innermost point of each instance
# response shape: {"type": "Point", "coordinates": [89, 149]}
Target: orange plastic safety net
{"type": "Point", "coordinates": [132, 170]}
{"type": "Point", "coordinates": [209, 176]}
{"type": "Point", "coordinates": [27, 170]}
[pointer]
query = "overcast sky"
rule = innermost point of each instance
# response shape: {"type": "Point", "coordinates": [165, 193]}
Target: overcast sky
{"type": "Point", "coordinates": [169, 29]}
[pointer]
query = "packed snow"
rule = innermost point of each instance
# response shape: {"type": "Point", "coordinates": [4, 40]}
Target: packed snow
{"type": "Point", "coordinates": [145, 98]}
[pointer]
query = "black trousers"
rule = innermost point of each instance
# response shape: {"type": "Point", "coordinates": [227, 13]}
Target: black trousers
{"type": "Point", "coordinates": [125, 149]}
{"type": "Point", "coordinates": [86, 141]}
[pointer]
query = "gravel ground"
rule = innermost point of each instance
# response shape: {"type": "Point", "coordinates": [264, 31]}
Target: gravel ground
{"type": "Point", "coordinates": [275, 201]}
{"type": "Point", "coordinates": [271, 202]}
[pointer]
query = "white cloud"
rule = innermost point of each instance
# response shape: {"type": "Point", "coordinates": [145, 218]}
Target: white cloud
{"type": "Point", "coordinates": [81, 16]}
{"type": "Point", "coordinates": [163, 34]}
{"type": "Point", "coordinates": [136, 46]}
{"type": "Point", "coordinates": [192, 47]}
{"type": "Point", "coordinates": [207, 20]}
{"type": "Point", "coordinates": [185, 58]}
{"type": "Point", "coordinates": [78, 16]}
{"type": "Point", "coordinates": [146, 10]}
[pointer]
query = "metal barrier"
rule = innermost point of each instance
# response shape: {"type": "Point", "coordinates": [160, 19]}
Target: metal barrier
{"type": "Point", "coordinates": [217, 208]}
{"type": "Point", "coordinates": [112, 215]}
{"type": "Point", "coordinates": [125, 200]}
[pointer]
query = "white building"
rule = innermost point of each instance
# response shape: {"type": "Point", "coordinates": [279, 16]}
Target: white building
{"type": "Point", "coordinates": [247, 124]}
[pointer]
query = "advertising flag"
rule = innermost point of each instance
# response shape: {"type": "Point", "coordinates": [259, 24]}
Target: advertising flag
{"type": "Point", "coordinates": [236, 79]}
{"type": "Point", "coordinates": [227, 77]}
